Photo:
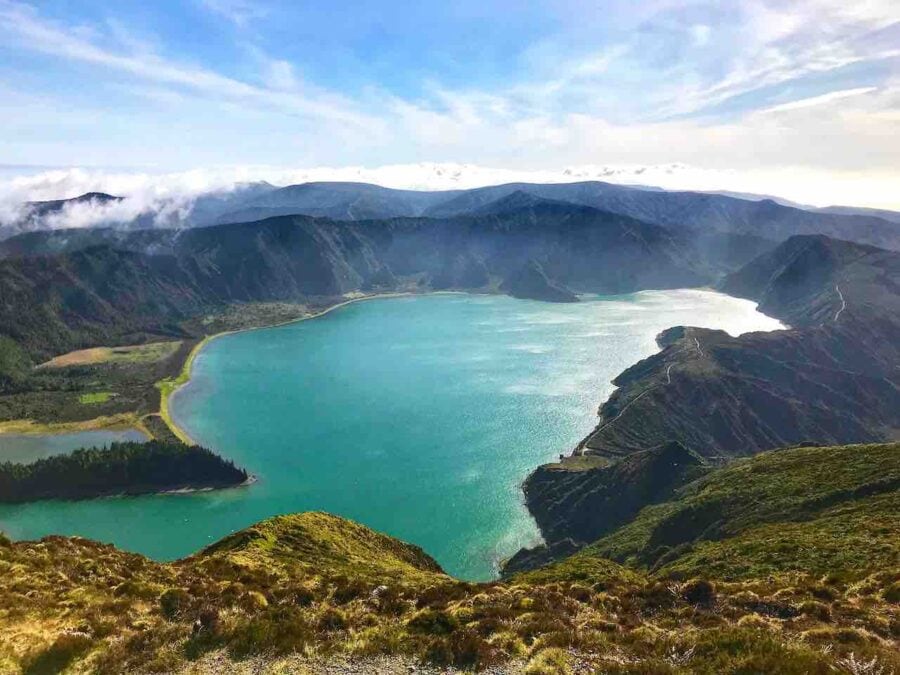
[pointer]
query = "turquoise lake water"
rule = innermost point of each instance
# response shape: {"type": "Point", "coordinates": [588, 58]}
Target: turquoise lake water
{"type": "Point", "coordinates": [418, 416]}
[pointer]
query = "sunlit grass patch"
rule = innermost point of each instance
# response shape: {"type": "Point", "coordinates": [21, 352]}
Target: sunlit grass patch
{"type": "Point", "coordinates": [95, 397]}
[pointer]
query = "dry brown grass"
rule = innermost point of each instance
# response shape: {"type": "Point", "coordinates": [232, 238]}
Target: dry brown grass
{"type": "Point", "coordinates": [146, 353]}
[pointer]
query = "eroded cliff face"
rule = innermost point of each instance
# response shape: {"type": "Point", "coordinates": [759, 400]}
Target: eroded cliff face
{"type": "Point", "coordinates": [581, 498]}
{"type": "Point", "coordinates": [830, 379]}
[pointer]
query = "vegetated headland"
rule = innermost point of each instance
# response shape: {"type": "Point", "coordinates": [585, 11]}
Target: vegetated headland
{"type": "Point", "coordinates": [119, 469]}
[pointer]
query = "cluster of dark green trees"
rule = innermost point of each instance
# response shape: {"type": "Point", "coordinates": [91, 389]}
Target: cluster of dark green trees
{"type": "Point", "coordinates": [122, 468]}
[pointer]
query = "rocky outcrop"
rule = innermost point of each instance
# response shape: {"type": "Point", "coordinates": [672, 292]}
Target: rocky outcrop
{"type": "Point", "coordinates": [578, 500]}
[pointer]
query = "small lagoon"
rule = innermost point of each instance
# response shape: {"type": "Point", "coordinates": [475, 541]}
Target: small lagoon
{"type": "Point", "coordinates": [26, 448]}
{"type": "Point", "coordinates": [417, 416]}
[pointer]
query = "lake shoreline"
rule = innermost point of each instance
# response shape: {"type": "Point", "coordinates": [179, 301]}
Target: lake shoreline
{"type": "Point", "coordinates": [167, 392]}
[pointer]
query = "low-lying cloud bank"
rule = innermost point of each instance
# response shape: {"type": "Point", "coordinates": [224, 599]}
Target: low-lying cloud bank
{"type": "Point", "coordinates": [168, 199]}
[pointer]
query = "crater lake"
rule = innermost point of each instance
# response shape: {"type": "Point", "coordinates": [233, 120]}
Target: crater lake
{"type": "Point", "coordinates": [418, 416]}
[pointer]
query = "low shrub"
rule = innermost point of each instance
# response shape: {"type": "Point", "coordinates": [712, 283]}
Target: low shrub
{"type": "Point", "coordinates": [699, 592]}
{"type": "Point", "coordinates": [892, 593]}
{"type": "Point", "coordinates": [433, 622]}
{"type": "Point", "coordinates": [57, 657]}
{"type": "Point", "coordinates": [174, 603]}
{"type": "Point", "coordinates": [332, 619]}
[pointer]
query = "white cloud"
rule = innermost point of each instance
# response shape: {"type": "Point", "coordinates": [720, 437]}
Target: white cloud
{"type": "Point", "coordinates": [634, 100]}
{"type": "Point", "coordinates": [823, 99]}
{"type": "Point", "coordinates": [239, 12]}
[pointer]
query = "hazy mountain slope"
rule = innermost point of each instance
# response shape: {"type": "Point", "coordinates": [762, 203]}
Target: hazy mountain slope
{"type": "Point", "coordinates": [69, 240]}
{"type": "Point", "coordinates": [701, 211]}
{"type": "Point", "coordinates": [102, 295]}
{"type": "Point", "coordinates": [813, 280]}
{"type": "Point", "coordinates": [108, 286]}
{"type": "Point", "coordinates": [347, 201]}
{"type": "Point", "coordinates": [884, 214]}
{"type": "Point", "coordinates": [286, 258]}
{"type": "Point", "coordinates": [209, 207]}
{"type": "Point", "coordinates": [530, 281]}
{"type": "Point", "coordinates": [585, 249]}
{"type": "Point", "coordinates": [91, 297]}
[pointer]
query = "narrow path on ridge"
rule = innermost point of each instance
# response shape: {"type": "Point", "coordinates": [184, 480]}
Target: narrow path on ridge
{"type": "Point", "coordinates": [843, 302]}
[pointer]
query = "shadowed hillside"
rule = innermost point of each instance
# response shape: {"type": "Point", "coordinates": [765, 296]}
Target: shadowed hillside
{"type": "Point", "coordinates": [106, 286]}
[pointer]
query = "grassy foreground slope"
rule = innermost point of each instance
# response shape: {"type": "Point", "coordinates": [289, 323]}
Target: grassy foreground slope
{"type": "Point", "coordinates": [295, 592]}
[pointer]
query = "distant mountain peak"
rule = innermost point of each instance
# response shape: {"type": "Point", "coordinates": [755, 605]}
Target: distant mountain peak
{"type": "Point", "coordinates": [522, 199]}
{"type": "Point", "coordinates": [86, 197]}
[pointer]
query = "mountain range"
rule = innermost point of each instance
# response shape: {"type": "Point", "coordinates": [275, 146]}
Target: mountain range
{"type": "Point", "coordinates": [699, 211]}
{"type": "Point", "coordinates": [67, 289]}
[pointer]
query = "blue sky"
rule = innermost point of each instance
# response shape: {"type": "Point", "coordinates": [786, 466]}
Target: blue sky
{"type": "Point", "coordinates": [809, 89]}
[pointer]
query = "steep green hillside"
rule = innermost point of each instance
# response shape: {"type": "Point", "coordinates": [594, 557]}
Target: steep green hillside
{"type": "Point", "coordinates": [297, 593]}
{"type": "Point", "coordinates": [817, 510]}
{"type": "Point", "coordinates": [830, 379]}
